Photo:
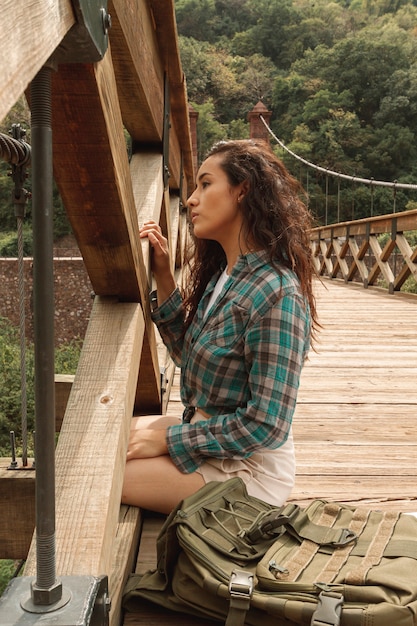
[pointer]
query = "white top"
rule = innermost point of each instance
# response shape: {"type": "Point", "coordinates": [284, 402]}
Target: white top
{"type": "Point", "coordinates": [216, 291]}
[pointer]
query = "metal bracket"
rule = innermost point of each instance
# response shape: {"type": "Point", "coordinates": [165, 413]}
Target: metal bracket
{"type": "Point", "coordinates": [329, 609]}
{"type": "Point", "coordinates": [84, 602]}
{"type": "Point", "coordinates": [87, 41]}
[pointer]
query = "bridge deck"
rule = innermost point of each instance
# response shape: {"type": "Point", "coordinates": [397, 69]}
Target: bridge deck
{"type": "Point", "coordinates": [356, 421]}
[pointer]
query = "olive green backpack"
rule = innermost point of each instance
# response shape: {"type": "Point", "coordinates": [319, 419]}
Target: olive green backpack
{"type": "Point", "coordinates": [225, 555]}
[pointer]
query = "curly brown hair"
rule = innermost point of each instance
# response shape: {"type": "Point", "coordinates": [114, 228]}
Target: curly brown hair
{"type": "Point", "coordinates": [274, 219]}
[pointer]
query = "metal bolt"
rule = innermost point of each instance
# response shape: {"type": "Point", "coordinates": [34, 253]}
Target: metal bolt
{"type": "Point", "coordinates": [106, 20]}
{"type": "Point", "coordinates": [13, 464]}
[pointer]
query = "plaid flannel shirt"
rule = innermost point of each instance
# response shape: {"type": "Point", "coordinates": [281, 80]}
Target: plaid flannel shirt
{"type": "Point", "coordinates": [241, 364]}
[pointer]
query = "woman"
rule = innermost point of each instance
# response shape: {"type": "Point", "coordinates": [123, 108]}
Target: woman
{"type": "Point", "coordinates": [240, 332]}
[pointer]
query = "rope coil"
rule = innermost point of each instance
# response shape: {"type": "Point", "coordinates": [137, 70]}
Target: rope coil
{"type": "Point", "coordinates": [14, 151]}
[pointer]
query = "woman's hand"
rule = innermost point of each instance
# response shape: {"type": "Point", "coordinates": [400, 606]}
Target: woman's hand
{"type": "Point", "coordinates": [146, 443]}
{"type": "Point", "coordinates": [160, 259]}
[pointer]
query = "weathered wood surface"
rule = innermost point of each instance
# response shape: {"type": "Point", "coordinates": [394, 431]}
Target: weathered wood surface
{"type": "Point", "coordinates": [91, 450]}
{"type": "Point", "coordinates": [17, 498]}
{"type": "Point", "coordinates": [355, 425]}
{"type": "Point", "coordinates": [145, 48]}
{"type": "Point", "coordinates": [29, 33]}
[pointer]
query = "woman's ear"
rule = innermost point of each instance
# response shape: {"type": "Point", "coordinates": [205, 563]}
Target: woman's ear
{"type": "Point", "coordinates": [244, 188]}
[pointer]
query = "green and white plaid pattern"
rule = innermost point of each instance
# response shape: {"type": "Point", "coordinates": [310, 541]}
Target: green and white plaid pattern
{"type": "Point", "coordinates": [241, 364]}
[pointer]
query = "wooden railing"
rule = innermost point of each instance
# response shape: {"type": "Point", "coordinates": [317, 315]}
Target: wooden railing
{"type": "Point", "coordinates": [374, 251]}
{"type": "Point", "coordinates": [138, 88]}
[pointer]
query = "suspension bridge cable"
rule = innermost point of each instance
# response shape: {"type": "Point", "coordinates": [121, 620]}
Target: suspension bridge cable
{"type": "Point", "coordinates": [16, 152]}
{"type": "Point", "coordinates": [354, 179]}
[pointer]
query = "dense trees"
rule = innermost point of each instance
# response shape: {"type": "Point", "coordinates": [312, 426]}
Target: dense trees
{"type": "Point", "coordinates": [19, 114]}
{"type": "Point", "coordinates": [66, 360]}
{"type": "Point", "coordinates": [339, 77]}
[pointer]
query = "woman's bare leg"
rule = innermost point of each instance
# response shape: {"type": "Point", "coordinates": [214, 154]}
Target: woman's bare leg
{"type": "Point", "coordinates": [156, 483]}
{"type": "Point", "coordinates": [153, 421]}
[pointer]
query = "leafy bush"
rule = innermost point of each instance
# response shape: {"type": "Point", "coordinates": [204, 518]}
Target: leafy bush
{"type": "Point", "coordinates": [9, 246]}
{"type": "Point", "coordinates": [66, 361]}
{"type": "Point", "coordinates": [7, 569]}
{"type": "Point", "coordinates": [67, 356]}
{"type": "Point", "coordinates": [10, 384]}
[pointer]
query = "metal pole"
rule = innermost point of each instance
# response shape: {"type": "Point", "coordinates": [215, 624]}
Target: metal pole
{"type": "Point", "coordinates": [46, 590]}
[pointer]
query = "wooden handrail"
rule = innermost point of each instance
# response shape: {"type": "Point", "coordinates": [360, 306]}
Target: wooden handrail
{"type": "Point", "coordinates": [352, 250]}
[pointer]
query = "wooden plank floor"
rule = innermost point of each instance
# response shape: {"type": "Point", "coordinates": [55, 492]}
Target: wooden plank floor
{"type": "Point", "coordinates": [355, 425]}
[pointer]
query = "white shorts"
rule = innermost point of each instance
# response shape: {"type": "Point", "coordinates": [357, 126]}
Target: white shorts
{"type": "Point", "coordinates": [268, 474]}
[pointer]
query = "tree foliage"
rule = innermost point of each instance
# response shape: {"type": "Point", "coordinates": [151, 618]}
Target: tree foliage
{"type": "Point", "coordinates": [66, 361]}
{"type": "Point", "coordinates": [339, 76]}
{"type": "Point", "coordinates": [20, 114]}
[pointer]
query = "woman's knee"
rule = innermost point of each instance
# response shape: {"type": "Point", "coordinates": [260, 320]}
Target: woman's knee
{"type": "Point", "coordinates": [157, 484]}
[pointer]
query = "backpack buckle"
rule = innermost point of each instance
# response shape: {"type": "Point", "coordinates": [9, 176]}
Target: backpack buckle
{"type": "Point", "coordinates": [346, 536]}
{"type": "Point", "coordinates": [272, 524]}
{"type": "Point", "coordinates": [241, 588]}
{"type": "Point", "coordinates": [329, 609]}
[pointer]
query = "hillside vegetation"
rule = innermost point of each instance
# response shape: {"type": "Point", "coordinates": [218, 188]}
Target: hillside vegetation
{"type": "Point", "coordinates": [339, 77]}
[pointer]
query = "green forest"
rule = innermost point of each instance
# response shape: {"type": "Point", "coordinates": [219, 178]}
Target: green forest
{"type": "Point", "coordinates": [340, 79]}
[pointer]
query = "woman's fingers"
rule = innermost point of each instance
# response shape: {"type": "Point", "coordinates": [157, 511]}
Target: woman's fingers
{"type": "Point", "coordinates": [160, 257]}
{"type": "Point", "coordinates": [146, 443]}
{"type": "Point", "coordinates": [150, 227]}
{"type": "Point", "coordinates": [153, 232]}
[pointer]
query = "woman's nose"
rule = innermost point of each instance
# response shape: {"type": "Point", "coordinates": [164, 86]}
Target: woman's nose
{"type": "Point", "coordinates": [192, 200]}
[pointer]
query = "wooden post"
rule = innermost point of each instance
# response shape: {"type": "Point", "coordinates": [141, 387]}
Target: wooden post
{"type": "Point", "coordinates": [91, 450]}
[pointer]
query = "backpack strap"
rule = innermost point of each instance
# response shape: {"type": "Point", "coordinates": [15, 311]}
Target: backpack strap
{"type": "Point", "coordinates": [241, 590]}
{"type": "Point", "coordinates": [293, 519]}
{"type": "Point", "coordinates": [375, 550]}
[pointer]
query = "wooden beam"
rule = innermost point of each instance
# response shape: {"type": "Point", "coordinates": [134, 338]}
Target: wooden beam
{"type": "Point", "coordinates": [92, 172]}
{"type": "Point", "coordinates": [407, 220]}
{"type": "Point", "coordinates": [125, 549]}
{"type": "Point", "coordinates": [91, 450]}
{"type": "Point", "coordinates": [63, 385]}
{"type": "Point", "coordinates": [94, 178]}
{"type": "Point", "coordinates": [147, 175]}
{"type": "Point", "coordinates": [29, 33]}
{"type": "Point", "coordinates": [138, 69]}
{"type": "Point", "coordinates": [145, 46]}
{"type": "Point", "coordinates": [166, 30]}
{"type": "Point", "coordinates": [148, 189]}
{"type": "Point", "coordinates": [17, 497]}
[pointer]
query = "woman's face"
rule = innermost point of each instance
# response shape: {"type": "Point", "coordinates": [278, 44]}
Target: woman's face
{"type": "Point", "coordinates": [213, 206]}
